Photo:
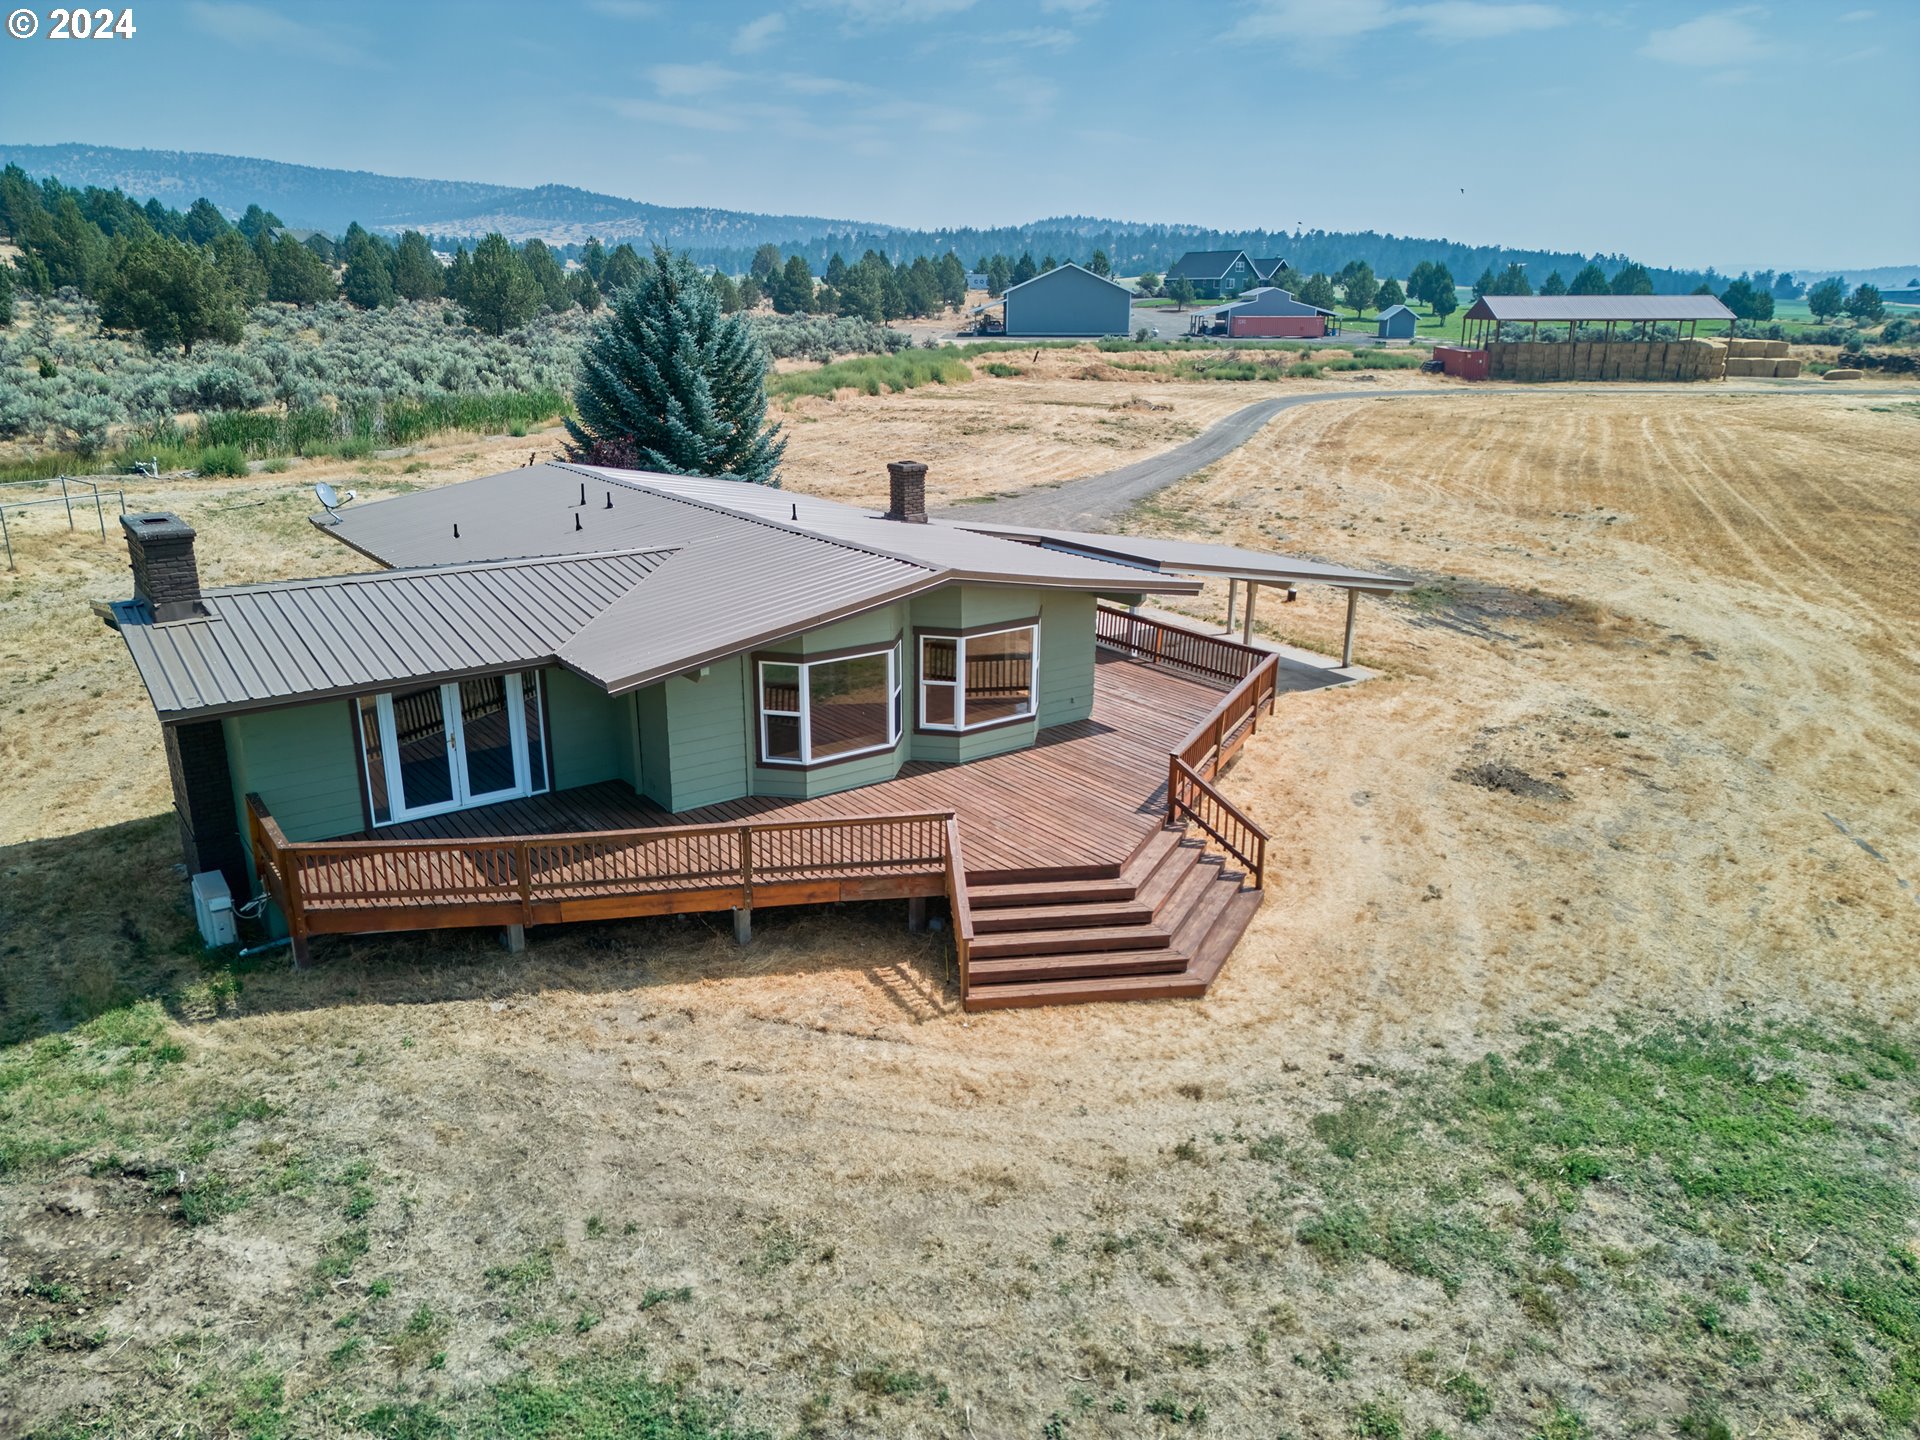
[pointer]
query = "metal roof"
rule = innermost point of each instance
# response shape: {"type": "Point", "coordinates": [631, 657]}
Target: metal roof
{"type": "Point", "coordinates": [258, 645]}
{"type": "Point", "coordinates": [534, 511]}
{"type": "Point", "coordinates": [1395, 310]}
{"type": "Point", "coordinates": [1070, 265]}
{"type": "Point", "coordinates": [1523, 309]}
{"type": "Point", "coordinates": [1194, 557]}
{"type": "Point", "coordinates": [1205, 264]}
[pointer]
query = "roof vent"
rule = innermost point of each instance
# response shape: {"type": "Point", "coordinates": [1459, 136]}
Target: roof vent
{"type": "Point", "coordinates": [165, 573]}
{"type": "Point", "coordinates": [907, 483]}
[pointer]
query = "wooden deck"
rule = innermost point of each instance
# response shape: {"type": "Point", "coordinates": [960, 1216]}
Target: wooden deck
{"type": "Point", "coordinates": [1083, 798]}
{"type": "Point", "coordinates": [1101, 863]}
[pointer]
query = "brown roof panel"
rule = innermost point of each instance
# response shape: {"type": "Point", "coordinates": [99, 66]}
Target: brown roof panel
{"type": "Point", "coordinates": [261, 644]}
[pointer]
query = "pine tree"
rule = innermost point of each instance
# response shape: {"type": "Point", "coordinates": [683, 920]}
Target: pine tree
{"type": "Point", "coordinates": [368, 281]}
{"type": "Point", "coordinates": [295, 275]}
{"type": "Point", "coordinates": [1591, 280]}
{"type": "Point", "coordinates": [669, 383]}
{"type": "Point", "coordinates": [6, 294]}
{"type": "Point", "coordinates": [593, 257]}
{"type": "Point", "coordinates": [1360, 287]}
{"type": "Point", "coordinates": [1315, 290]}
{"type": "Point", "coordinates": [545, 272]}
{"type": "Point", "coordinates": [416, 274]}
{"type": "Point", "coordinates": [1632, 279]}
{"type": "Point", "coordinates": [1024, 269]}
{"type": "Point", "coordinates": [1485, 284]}
{"type": "Point", "coordinates": [1390, 295]}
{"type": "Point", "coordinates": [1100, 264]}
{"type": "Point", "coordinates": [204, 222]}
{"type": "Point", "coordinates": [1553, 285]}
{"type": "Point", "coordinates": [792, 287]}
{"type": "Point", "coordinates": [623, 269]}
{"type": "Point", "coordinates": [240, 265]}
{"type": "Point", "coordinates": [172, 293]}
{"type": "Point", "coordinates": [497, 293]}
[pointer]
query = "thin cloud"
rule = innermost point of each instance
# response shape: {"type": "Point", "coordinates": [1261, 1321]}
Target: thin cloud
{"type": "Point", "coordinates": [896, 12]}
{"type": "Point", "coordinates": [757, 35]}
{"type": "Point", "coordinates": [1721, 41]}
{"type": "Point", "coordinates": [1315, 23]}
{"type": "Point", "coordinates": [625, 9]}
{"type": "Point", "coordinates": [254, 27]}
{"type": "Point", "coordinates": [685, 117]}
{"type": "Point", "coordinates": [1854, 17]}
{"type": "Point", "coordinates": [1049, 37]}
{"type": "Point", "coordinates": [1473, 20]}
{"type": "Point", "coordinates": [677, 81]}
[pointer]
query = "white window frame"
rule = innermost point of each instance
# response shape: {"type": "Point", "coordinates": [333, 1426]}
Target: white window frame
{"type": "Point", "coordinates": [805, 713]}
{"type": "Point", "coordinates": [463, 798]}
{"type": "Point", "coordinates": [959, 682]}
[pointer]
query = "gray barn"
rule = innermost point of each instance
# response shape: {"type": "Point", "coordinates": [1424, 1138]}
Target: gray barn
{"type": "Point", "coordinates": [1397, 322]}
{"type": "Point", "coordinates": [1068, 300]}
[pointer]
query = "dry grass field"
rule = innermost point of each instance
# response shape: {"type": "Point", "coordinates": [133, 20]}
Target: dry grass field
{"type": "Point", "coordinates": [1565, 1085]}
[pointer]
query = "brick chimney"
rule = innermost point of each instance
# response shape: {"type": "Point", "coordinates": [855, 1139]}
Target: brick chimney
{"type": "Point", "coordinates": [165, 574]}
{"type": "Point", "coordinates": [907, 481]}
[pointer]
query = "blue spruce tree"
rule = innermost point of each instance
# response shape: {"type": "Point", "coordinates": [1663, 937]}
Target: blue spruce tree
{"type": "Point", "coordinates": [667, 382]}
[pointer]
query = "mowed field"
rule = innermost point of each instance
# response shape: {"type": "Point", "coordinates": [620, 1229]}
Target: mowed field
{"type": "Point", "coordinates": [1565, 1085]}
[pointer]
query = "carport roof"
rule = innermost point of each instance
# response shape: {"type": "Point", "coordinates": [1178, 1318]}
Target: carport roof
{"type": "Point", "coordinates": [1524, 309]}
{"type": "Point", "coordinates": [1194, 557]}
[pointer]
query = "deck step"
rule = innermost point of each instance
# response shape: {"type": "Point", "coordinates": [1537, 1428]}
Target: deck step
{"type": "Point", "coordinates": [1182, 986]}
{"type": "Point", "coordinates": [1152, 851]}
{"type": "Point", "coordinates": [1047, 892]}
{"type": "Point", "coordinates": [1061, 917]}
{"type": "Point", "coordinates": [1021, 969]}
{"type": "Point", "coordinates": [1212, 952]}
{"type": "Point", "coordinates": [1062, 942]}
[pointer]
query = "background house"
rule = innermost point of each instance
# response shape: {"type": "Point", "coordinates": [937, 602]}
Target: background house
{"type": "Point", "coordinates": [1214, 273]}
{"type": "Point", "coordinates": [1266, 269]}
{"type": "Point", "coordinates": [1068, 300]}
{"type": "Point", "coordinates": [1265, 313]}
{"type": "Point", "coordinates": [1397, 322]}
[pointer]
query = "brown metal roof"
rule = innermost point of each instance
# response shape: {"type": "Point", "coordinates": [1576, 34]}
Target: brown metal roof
{"type": "Point", "coordinates": [1194, 557]}
{"type": "Point", "coordinates": [1597, 309]}
{"type": "Point", "coordinates": [258, 645]}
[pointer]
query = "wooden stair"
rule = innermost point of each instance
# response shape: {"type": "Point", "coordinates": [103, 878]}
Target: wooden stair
{"type": "Point", "coordinates": [1158, 927]}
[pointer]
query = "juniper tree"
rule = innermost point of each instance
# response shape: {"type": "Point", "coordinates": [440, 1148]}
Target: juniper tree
{"type": "Point", "coordinates": [416, 274]}
{"type": "Point", "coordinates": [667, 382]}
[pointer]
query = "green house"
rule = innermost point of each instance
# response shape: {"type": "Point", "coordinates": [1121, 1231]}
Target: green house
{"type": "Point", "coordinates": [686, 672]}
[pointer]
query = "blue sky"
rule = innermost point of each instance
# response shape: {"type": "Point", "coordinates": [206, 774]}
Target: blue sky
{"type": "Point", "coordinates": [1765, 134]}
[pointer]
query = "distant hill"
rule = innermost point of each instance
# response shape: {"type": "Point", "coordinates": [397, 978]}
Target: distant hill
{"type": "Point", "coordinates": [309, 196]}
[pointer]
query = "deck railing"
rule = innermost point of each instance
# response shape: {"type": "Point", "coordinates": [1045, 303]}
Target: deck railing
{"type": "Point", "coordinates": [354, 886]}
{"type": "Point", "coordinates": [959, 908]}
{"type": "Point", "coordinates": [1211, 657]}
{"type": "Point", "coordinates": [1207, 751]}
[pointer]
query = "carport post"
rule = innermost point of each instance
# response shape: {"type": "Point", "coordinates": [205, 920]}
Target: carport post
{"type": "Point", "coordinates": [1346, 647]}
{"type": "Point", "coordinates": [1246, 626]}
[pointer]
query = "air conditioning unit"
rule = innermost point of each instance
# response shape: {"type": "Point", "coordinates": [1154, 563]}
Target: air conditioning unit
{"type": "Point", "coordinates": [213, 910]}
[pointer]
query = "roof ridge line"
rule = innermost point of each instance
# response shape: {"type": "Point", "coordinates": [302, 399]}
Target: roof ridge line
{"type": "Point", "coordinates": [464, 567]}
{"type": "Point", "coordinates": [784, 526]}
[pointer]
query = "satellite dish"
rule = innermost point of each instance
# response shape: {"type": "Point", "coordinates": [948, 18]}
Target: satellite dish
{"type": "Point", "coordinates": [331, 499]}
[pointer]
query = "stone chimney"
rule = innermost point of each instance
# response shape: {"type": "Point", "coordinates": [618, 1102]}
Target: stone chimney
{"type": "Point", "coordinates": [907, 480]}
{"type": "Point", "coordinates": [165, 574]}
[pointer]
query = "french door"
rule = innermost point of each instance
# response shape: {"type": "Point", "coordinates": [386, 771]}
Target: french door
{"type": "Point", "coordinates": [447, 747]}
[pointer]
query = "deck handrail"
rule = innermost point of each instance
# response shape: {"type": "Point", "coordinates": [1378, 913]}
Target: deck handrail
{"type": "Point", "coordinates": [1229, 826]}
{"type": "Point", "coordinates": [1214, 657]}
{"type": "Point", "coordinates": [487, 880]}
{"type": "Point", "coordinates": [1207, 751]}
{"type": "Point", "coordinates": [959, 907]}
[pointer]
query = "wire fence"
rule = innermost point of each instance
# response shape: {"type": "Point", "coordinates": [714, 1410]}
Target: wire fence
{"type": "Point", "coordinates": [75, 490]}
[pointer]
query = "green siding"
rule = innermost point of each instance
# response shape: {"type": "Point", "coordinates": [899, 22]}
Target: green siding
{"type": "Point", "coordinates": [1066, 658]}
{"type": "Point", "coordinates": [301, 760]}
{"type": "Point", "coordinates": [650, 725]}
{"type": "Point", "coordinates": [707, 735]}
{"type": "Point", "coordinates": [590, 743]}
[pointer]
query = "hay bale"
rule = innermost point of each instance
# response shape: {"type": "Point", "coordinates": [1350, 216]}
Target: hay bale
{"type": "Point", "coordinates": [1743, 365]}
{"type": "Point", "coordinates": [1776, 349]}
{"type": "Point", "coordinates": [1845, 375]}
{"type": "Point", "coordinates": [1786, 369]}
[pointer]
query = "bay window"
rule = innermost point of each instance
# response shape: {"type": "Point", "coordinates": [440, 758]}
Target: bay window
{"type": "Point", "coordinates": [971, 681]}
{"type": "Point", "coordinates": [813, 711]}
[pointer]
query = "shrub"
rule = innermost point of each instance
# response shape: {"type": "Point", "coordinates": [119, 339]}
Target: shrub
{"type": "Point", "coordinates": [875, 374]}
{"type": "Point", "coordinates": [228, 460]}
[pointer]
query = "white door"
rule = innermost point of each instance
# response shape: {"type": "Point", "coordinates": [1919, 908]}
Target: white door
{"type": "Point", "coordinates": [454, 745]}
